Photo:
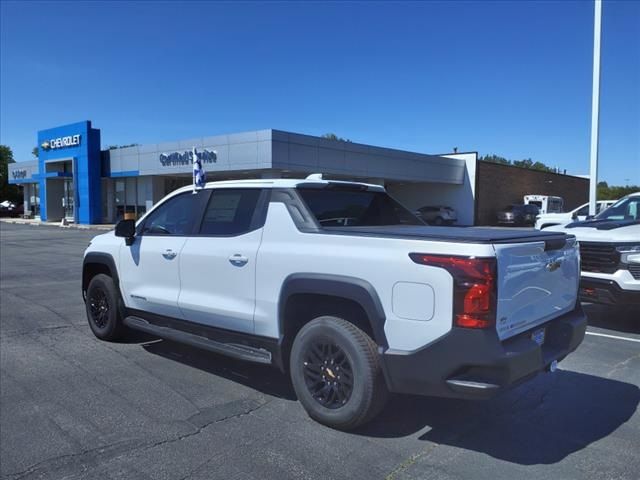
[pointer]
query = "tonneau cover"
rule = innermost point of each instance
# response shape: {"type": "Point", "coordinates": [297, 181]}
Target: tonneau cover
{"type": "Point", "coordinates": [452, 234]}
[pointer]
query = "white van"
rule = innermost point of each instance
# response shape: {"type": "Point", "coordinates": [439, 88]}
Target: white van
{"type": "Point", "coordinates": [545, 203]}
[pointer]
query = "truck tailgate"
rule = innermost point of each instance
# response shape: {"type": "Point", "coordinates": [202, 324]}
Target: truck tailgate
{"type": "Point", "coordinates": [537, 281]}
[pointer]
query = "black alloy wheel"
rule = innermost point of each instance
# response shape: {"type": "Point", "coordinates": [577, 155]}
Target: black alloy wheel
{"type": "Point", "coordinates": [99, 307]}
{"type": "Point", "coordinates": [103, 314]}
{"type": "Point", "coordinates": [336, 373]}
{"type": "Point", "coordinates": [328, 374]}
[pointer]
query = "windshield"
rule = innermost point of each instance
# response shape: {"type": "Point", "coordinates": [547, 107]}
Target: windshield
{"type": "Point", "coordinates": [355, 208]}
{"type": "Point", "coordinates": [625, 209]}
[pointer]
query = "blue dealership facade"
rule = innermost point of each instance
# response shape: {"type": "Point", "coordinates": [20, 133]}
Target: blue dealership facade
{"type": "Point", "coordinates": [68, 169]}
{"type": "Point", "coordinates": [74, 179]}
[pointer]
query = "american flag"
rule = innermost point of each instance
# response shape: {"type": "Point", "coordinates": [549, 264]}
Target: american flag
{"type": "Point", "coordinates": [199, 176]}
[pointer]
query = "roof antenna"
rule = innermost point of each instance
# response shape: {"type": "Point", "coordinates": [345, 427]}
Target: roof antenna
{"type": "Point", "coordinates": [314, 176]}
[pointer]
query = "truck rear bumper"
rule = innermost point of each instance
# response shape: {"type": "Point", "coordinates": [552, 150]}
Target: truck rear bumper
{"type": "Point", "coordinates": [470, 363]}
{"type": "Point", "coordinates": [600, 290]}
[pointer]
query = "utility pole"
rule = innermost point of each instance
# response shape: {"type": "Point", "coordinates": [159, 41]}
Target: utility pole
{"type": "Point", "coordinates": [595, 107]}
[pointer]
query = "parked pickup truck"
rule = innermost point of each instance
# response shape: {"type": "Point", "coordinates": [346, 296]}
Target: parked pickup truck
{"type": "Point", "coordinates": [545, 220]}
{"type": "Point", "coordinates": [261, 270]}
{"type": "Point", "coordinates": [610, 251]}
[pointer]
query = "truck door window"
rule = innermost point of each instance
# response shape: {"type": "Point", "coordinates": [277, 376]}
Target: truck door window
{"type": "Point", "coordinates": [173, 217]}
{"type": "Point", "coordinates": [230, 211]}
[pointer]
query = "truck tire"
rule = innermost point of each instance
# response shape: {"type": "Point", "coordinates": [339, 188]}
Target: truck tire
{"type": "Point", "coordinates": [102, 303]}
{"type": "Point", "coordinates": [336, 373]}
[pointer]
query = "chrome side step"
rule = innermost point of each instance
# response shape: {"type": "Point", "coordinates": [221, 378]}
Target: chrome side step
{"type": "Point", "coordinates": [474, 388]}
{"type": "Point", "coordinates": [241, 352]}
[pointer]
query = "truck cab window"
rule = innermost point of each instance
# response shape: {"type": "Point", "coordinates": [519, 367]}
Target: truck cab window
{"type": "Point", "coordinates": [355, 208]}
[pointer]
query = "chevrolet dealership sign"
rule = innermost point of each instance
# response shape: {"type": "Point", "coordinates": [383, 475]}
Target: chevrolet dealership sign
{"type": "Point", "coordinates": [61, 142]}
{"type": "Point", "coordinates": [186, 158]}
{"type": "Point", "coordinates": [19, 174]}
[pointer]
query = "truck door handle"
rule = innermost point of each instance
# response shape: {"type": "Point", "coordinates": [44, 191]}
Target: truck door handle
{"type": "Point", "coordinates": [169, 254]}
{"type": "Point", "coordinates": [238, 260]}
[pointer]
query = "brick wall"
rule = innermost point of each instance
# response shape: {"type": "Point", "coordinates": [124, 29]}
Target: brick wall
{"type": "Point", "coordinates": [500, 185]}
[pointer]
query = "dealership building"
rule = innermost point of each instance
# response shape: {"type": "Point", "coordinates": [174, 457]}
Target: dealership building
{"type": "Point", "coordinates": [74, 179]}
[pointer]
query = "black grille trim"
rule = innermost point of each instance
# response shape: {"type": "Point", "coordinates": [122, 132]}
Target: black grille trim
{"type": "Point", "coordinates": [599, 257]}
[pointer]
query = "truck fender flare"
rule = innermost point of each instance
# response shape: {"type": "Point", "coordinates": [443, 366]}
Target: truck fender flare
{"type": "Point", "coordinates": [102, 259]}
{"type": "Point", "coordinates": [349, 288]}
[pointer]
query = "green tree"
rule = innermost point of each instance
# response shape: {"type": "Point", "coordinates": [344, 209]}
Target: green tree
{"type": "Point", "coordinates": [525, 163]}
{"type": "Point", "coordinates": [7, 191]}
{"type": "Point", "coordinates": [495, 159]}
{"type": "Point", "coordinates": [333, 136]}
{"type": "Point", "coordinates": [614, 192]}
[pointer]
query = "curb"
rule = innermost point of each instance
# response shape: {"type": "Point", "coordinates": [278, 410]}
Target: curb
{"type": "Point", "coordinates": [17, 221]}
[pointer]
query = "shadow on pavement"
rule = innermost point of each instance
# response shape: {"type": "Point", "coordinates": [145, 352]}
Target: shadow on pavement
{"type": "Point", "coordinates": [538, 423]}
{"type": "Point", "coordinates": [625, 320]}
{"type": "Point", "coordinates": [263, 378]}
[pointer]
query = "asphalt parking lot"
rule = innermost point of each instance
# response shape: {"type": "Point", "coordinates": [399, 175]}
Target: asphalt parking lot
{"type": "Point", "coordinates": [74, 407]}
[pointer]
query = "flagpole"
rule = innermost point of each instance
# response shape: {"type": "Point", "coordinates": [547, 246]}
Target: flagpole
{"type": "Point", "coordinates": [193, 171]}
{"type": "Point", "coordinates": [595, 107]}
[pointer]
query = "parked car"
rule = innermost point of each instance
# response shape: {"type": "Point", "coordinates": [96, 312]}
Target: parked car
{"type": "Point", "coordinates": [352, 310]}
{"type": "Point", "coordinates": [545, 203]}
{"type": "Point", "coordinates": [545, 220]}
{"type": "Point", "coordinates": [10, 209]}
{"type": "Point", "coordinates": [518, 215]}
{"type": "Point", "coordinates": [610, 253]}
{"type": "Point", "coordinates": [437, 215]}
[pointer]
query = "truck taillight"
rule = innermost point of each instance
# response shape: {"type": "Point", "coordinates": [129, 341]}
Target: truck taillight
{"type": "Point", "coordinates": [474, 286]}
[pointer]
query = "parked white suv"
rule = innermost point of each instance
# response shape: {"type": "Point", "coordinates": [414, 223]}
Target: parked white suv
{"type": "Point", "coordinates": [268, 271]}
{"type": "Point", "coordinates": [545, 220]}
{"type": "Point", "coordinates": [610, 253]}
{"type": "Point", "coordinates": [437, 215]}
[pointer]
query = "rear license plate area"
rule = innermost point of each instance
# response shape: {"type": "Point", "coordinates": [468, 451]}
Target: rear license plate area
{"type": "Point", "coordinates": [538, 335]}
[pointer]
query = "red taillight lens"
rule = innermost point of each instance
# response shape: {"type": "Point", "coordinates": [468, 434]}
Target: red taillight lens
{"type": "Point", "coordinates": [474, 287]}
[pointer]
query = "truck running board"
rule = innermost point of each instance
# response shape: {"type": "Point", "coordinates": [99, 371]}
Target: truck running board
{"type": "Point", "coordinates": [481, 389]}
{"type": "Point", "coordinates": [241, 352]}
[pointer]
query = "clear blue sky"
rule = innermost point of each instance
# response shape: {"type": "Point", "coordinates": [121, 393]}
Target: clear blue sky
{"type": "Point", "coordinates": [510, 78]}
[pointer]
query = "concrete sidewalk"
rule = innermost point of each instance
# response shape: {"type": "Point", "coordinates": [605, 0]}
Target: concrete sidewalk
{"type": "Point", "coordinates": [25, 221]}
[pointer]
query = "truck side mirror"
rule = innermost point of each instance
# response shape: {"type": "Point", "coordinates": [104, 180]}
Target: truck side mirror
{"type": "Point", "coordinates": [127, 230]}
{"type": "Point", "coordinates": [574, 216]}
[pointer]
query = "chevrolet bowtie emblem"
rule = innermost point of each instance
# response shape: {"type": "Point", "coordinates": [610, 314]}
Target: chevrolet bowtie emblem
{"type": "Point", "coordinates": [554, 265]}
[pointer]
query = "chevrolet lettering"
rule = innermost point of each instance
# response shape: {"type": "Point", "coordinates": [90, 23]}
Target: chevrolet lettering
{"type": "Point", "coordinates": [61, 142]}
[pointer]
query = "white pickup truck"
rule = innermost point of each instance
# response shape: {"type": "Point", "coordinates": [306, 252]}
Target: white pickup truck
{"type": "Point", "coordinates": [545, 220]}
{"type": "Point", "coordinates": [610, 252]}
{"type": "Point", "coordinates": [269, 271]}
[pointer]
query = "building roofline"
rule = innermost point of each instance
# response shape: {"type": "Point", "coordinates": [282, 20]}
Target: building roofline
{"type": "Point", "coordinates": [534, 170]}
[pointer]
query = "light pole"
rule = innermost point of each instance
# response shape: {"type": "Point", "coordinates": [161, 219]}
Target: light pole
{"type": "Point", "coordinates": [595, 107]}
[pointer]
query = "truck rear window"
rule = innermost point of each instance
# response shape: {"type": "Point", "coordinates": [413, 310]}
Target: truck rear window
{"type": "Point", "coordinates": [355, 208]}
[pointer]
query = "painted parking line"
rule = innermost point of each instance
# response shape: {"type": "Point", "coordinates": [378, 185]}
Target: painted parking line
{"type": "Point", "coordinates": [614, 336]}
